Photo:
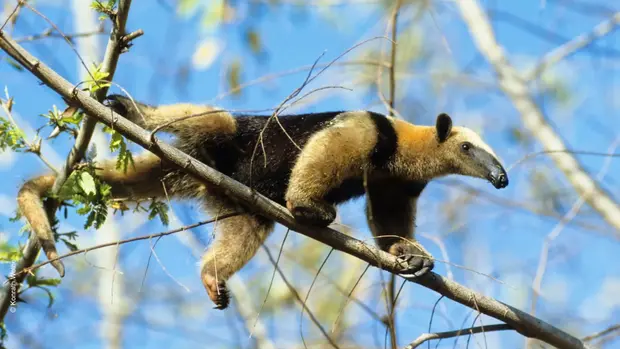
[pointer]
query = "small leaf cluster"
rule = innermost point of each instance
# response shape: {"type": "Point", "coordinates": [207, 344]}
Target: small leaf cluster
{"type": "Point", "coordinates": [97, 78]}
{"type": "Point", "coordinates": [9, 253]}
{"type": "Point", "coordinates": [11, 137]}
{"type": "Point", "coordinates": [106, 8]}
{"type": "Point", "coordinates": [159, 209]}
{"type": "Point", "coordinates": [89, 194]}
{"type": "Point", "coordinates": [118, 143]}
{"type": "Point", "coordinates": [65, 121]}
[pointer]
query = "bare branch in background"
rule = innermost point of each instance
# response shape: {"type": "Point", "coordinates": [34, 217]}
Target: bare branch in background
{"type": "Point", "coordinates": [547, 34]}
{"type": "Point", "coordinates": [603, 333]}
{"type": "Point", "coordinates": [49, 33]}
{"type": "Point", "coordinates": [29, 270]}
{"type": "Point", "coordinates": [522, 322]}
{"type": "Point", "coordinates": [425, 337]}
{"type": "Point", "coordinates": [533, 119]}
{"type": "Point", "coordinates": [574, 45]}
{"type": "Point", "coordinates": [570, 215]}
{"type": "Point", "coordinates": [302, 302]}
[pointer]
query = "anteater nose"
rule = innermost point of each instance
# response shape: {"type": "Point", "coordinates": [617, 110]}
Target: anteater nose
{"type": "Point", "coordinates": [503, 180]}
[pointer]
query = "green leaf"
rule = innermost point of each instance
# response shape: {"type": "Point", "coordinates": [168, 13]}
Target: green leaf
{"type": "Point", "coordinates": [158, 208]}
{"type": "Point", "coordinates": [90, 219]}
{"type": "Point", "coordinates": [48, 282]}
{"type": "Point", "coordinates": [11, 137]}
{"type": "Point", "coordinates": [104, 8]}
{"type": "Point", "coordinates": [87, 183]}
{"type": "Point", "coordinates": [118, 143]}
{"type": "Point", "coordinates": [71, 246]}
{"type": "Point", "coordinates": [234, 77]}
{"type": "Point", "coordinates": [253, 39]}
{"type": "Point", "coordinates": [3, 332]}
{"type": "Point", "coordinates": [98, 79]}
{"type": "Point", "coordinates": [9, 253]}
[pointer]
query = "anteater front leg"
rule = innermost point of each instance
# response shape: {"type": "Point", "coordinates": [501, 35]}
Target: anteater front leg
{"type": "Point", "coordinates": [390, 211]}
{"type": "Point", "coordinates": [331, 156]}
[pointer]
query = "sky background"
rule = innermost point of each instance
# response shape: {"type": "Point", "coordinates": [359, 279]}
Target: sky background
{"type": "Point", "coordinates": [583, 277]}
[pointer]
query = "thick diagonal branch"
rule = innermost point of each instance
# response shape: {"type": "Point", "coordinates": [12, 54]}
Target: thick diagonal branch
{"type": "Point", "coordinates": [519, 320]}
{"type": "Point", "coordinates": [516, 89]}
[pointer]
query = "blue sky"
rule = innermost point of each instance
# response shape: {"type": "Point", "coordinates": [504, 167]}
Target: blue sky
{"type": "Point", "coordinates": [582, 275]}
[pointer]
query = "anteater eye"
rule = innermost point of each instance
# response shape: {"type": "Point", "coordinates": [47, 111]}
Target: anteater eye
{"type": "Point", "coordinates": [466, 146]}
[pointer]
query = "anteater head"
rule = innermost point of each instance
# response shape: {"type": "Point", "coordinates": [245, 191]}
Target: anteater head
{"type": "Point", "coordinates": [468, 154]}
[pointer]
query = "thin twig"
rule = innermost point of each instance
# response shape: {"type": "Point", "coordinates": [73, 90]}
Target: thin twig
{"type": "Point", "coordinates": [63, 35]}
{"type": "Point", "coordinates": [301, 69]}
{"type": "Point", "coordinates": [122, 242]}
{"type": "Point", "coordinates": [394, 21]}
{"type": "Point", "coordinates": [33, 147]}
{"type": "Point", "coordinates": [273, 275]}
{"type": "Point", "coordinates": [349, 297]}
{"type": "Point", "coordinates": [316, 276]}
{"type": "Point", "coordinates": [301, 301]}
{"type": "Point", "coordinates": [577, 43]}
{"type": "Point", "coordinates": [602, 333]}
{"type": "Point", "coordinates": [13, 13]}
{"type": "Point", "coordinates": [48, 33]}
{"type": "Point", "coordinates": [462, 332]}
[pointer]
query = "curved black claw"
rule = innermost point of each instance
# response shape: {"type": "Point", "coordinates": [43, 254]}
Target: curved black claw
{"type": "Point", "coordinates": [60, 267]}
{"type": "Point", "coordinates": [412, 258]}
{"type": "Point", "coordinates": [314, 213]}
{"type": "Point", "coordinates": [223, 297]}
{"type": "Point", "coordinates": [415, 266]}
{"type": "Point", "coordinates": [120, 104]}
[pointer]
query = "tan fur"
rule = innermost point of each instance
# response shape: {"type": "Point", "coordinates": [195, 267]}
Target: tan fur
{"type": "Point", "coordinates": [331, 156]}
{"type": "Point", "coordinates": [421, 157]}
{"type": "Point", "coordinates": [141, 180]}
{"type": "Point", "coordinates": [31, 206]}
{"type": "Point", "coordinates": [418, 156]}
{"type": "Point", "coordinates": [190, 118]}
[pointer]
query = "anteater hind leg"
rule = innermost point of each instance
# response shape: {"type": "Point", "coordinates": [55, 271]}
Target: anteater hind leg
{"type": "Point", "coordinates": [236, 241]}
{"type": "Point", "coordinates": [189, 121]}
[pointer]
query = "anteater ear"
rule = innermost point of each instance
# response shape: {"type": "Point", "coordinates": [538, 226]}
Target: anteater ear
{"type": "Point", "coordinates": [443, 126]}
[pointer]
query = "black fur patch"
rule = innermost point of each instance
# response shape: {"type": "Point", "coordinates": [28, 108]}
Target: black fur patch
{"type": "Point", "coordinates": [266, 167]}
{"type": "Point", "coordinates": [269, 169]}
{"type": "Point", "coordinates": [387, 141]}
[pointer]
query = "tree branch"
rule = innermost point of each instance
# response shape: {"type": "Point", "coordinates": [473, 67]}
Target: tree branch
{"type": "Point", "coordinates": [533, 120]}
{"type": "Point", "coordinates": [31, 250]}
{"type": "Point", "coordinates": [519, 320]}
{"type": "Point", "coordinates": [425, 337]}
